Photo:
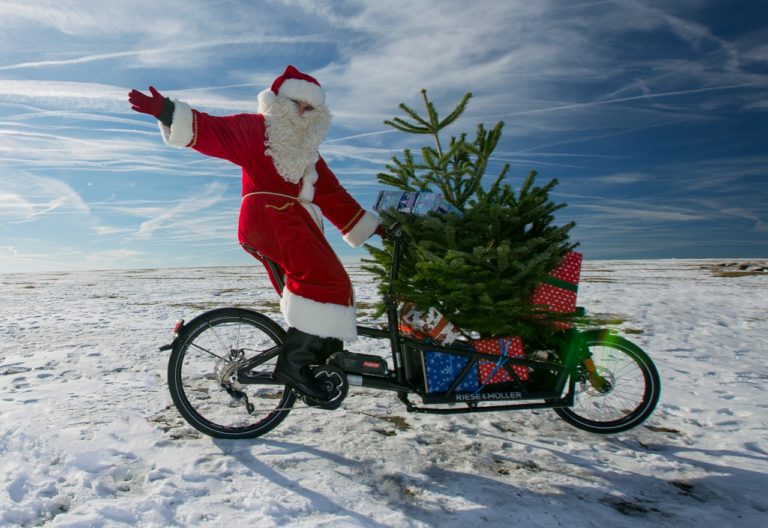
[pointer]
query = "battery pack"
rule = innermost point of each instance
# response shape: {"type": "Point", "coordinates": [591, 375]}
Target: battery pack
{"type": "Point", "coordinates": [361, 363]}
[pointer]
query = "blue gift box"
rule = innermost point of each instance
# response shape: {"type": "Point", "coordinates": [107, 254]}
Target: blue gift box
{"type": "Point", "coordinates": [442, 369]}
{"type": "Point", "coordinates": [418, 203]}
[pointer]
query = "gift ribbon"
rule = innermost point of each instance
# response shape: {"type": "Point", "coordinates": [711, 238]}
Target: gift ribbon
{"type": "Point", "coordinates": [560, 283]}
{"type": "Point", "coordinates": [503, 349]}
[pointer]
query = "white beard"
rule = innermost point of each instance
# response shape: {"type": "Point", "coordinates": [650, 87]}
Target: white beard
{"type": "Point", "coordinates": [292, 140]}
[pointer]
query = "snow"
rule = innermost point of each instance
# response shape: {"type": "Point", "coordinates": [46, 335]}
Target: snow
{"type": "Point", "coordinates": [89, 437]}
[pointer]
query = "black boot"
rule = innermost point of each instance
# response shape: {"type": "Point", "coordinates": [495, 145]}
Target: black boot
{"type": "Point", "coordinates": [331, 345]}
{"type": "Point", "coordinates": [298, 352]}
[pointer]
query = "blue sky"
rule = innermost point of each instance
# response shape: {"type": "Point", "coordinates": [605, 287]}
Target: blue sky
{"type": "Point", "coordinates": [651, 114]}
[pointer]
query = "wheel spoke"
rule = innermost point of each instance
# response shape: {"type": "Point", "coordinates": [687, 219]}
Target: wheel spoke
{"type": "Point", "coordinates": [198, 347]}
{"type": "Point", "coordinates": [218, 338]}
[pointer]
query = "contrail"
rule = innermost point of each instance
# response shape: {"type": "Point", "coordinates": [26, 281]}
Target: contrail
{"type": "Point", "coordinates": [155, 51]}
{"type": "Point", "coordinates": [635, 98]}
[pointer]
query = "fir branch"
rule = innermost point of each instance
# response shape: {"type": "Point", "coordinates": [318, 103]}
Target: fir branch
{"type": "Point", "coordinates": [405, 126]}
{"type": "Point", "coordinates": [457, 112]}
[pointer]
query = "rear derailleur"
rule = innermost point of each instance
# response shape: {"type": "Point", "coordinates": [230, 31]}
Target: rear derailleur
{"type": "Point", "coordinates": [226, 370]}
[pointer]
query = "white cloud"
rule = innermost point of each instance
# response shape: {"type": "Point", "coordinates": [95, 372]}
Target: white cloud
{"type": "Point", "coordinates": [167, 56]}
{"type": "Point", "coordinates": [400, 47]}
{"type": "Point", "coordinates": [25, 197]}
{"type": "Point", "coordinates": [622, 178]}
{"type": "Point", "coordinates": [183, 213]}
{"type": "Point", "coordinates": [640, 211]}
{"type": "Point", "coordinates": [65, 94]}
{"type": "Point", "coordinates": [12, 204]}
{"type": "Point", "coordinates": [641, 97]}
{"type": "Point", "coordinates": [726, 207]}
{"type": "Point", "coordinates": [94, 18]}
{"type": "Point", "coordinates": [111, 230]}
{"type": "Point", "coordinates": [77, 97]}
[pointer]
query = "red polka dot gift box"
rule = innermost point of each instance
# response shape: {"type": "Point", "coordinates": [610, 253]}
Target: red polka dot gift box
{"type": "Point", "coordinates": [557, 293]}
{"type": "Point", "coordinates": [491, 372]}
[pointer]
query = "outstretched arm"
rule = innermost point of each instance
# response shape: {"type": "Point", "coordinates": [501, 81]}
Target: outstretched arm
{"type": "Point", "coordinates": [233, 138]}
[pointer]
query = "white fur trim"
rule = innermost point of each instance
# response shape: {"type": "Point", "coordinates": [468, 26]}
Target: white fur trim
{"type": "Point", "coordinates": [320, 319]}
{"type": "Point", "coordinates": [180, 134]}
{"type": "Point", "coordinates": [302, 90]}
{"type": "Point", "coordinates": [308, 183]}
{"type": "Point", "coordinates": [316, 214]}
{"type": "Point", "coordinates": [265, 99]}
{"type": "Point", "coordinates": [362, 230]}
{"type": "Point", "coordinates": [308, 193]}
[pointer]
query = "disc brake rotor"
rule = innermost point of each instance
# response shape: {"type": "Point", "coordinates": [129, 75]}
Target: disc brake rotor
{"type": "Point", "coordinates": [600, 383]}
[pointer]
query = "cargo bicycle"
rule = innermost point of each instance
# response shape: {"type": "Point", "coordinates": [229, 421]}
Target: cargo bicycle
{"type": "Point", "coordinates": [221, 364]}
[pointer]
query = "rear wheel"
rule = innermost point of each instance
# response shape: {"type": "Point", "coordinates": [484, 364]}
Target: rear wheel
{"type": "Point", "coordinates": [210, 355]}
{"type": "Point", "coordinates": [622, 395]}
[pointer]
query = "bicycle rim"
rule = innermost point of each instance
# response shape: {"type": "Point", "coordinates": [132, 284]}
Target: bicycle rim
{"type": "Point", "coordinates": [632, 397]}
{"type": "Point", "coordinates": [202, 374]}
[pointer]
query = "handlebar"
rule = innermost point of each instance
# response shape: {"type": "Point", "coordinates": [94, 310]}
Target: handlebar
{"type": "Point", "coordinates": [393, 230]}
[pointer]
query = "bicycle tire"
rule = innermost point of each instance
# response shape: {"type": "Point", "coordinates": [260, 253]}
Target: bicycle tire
{"type": "Point", "coordinates": [634, 392]}
{"type": "Point", "coordinates": [212, 344]}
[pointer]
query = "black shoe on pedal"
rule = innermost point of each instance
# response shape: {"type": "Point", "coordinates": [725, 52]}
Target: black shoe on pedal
{"type": "Point", "coordinates": [298, 352]}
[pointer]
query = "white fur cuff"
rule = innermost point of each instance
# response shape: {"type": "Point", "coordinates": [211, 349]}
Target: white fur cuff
{"type": "Point", "coordinates": [181, 132]}
{"type": "Point", "coordinates": [362, 230]}
{"type": "Point", "coordinates": [320, 319]}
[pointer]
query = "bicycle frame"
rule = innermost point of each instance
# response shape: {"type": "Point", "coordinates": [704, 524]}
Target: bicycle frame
{"type": "Point", "coordinates": [401, 379]}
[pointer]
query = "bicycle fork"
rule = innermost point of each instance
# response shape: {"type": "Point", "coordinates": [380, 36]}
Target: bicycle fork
{"type": "Point", "coordinates": [598, 382]}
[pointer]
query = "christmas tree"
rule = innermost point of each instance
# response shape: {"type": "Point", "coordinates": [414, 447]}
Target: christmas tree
{"type": "Point", "coordinates": [479, 268]}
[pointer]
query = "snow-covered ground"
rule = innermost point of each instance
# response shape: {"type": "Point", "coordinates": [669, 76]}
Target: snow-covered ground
{"type": "Point", "coordinates": [89, 438]}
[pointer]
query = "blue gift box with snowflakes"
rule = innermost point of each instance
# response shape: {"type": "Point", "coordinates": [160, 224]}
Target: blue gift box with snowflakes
{"type": "Point", "coordinates": [441, 370]}
{"type": "Point", "coordinates": [417, 203]}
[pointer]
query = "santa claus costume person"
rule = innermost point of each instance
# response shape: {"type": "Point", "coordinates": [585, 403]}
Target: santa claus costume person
{"type": "Point", "coordinates": [287, 188]}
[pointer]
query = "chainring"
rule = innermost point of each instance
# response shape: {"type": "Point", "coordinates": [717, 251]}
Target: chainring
{"type": "Point", "coordinates": [333, 381]}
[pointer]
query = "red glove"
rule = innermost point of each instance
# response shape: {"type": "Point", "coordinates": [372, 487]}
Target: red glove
{"type": "Point", "coordinates": [145, 104]}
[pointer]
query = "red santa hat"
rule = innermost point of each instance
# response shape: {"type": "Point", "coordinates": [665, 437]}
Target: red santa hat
{"type": "Point", "coordinates": [294, 84]}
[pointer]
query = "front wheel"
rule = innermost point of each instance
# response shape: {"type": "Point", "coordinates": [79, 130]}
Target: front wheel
{"type": "Point", "coordinates": [213, 354]}
{"type": "Point", "coordinates": [627, 391]}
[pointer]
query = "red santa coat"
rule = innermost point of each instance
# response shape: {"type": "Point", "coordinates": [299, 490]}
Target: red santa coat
{"type": "Point", "coordinates": [282, 220]}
